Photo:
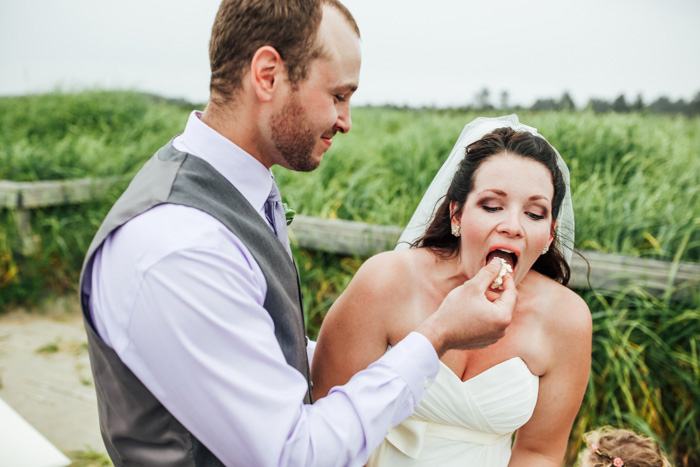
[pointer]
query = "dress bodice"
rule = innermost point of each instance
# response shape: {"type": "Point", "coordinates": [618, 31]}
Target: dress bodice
{"type": "Point", "coordinates": [465, 423]}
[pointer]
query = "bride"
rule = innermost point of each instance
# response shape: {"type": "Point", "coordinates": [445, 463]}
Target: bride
{"type": "Point", "coordinates": [505, 196]}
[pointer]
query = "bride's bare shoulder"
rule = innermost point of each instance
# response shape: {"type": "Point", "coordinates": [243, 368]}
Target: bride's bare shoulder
{"type": "Point", "coordinates": [372, 302]}
{"type": "Point", "coordinates": [385, 284]}
{"type": "Point", "coordinates": [389, 273]}
{"type": "Point", "coordinates": [566, 314]}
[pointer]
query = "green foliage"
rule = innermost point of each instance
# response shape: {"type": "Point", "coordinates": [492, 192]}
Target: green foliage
{"type": "Point", "coordinates": [377, 172]}
{"type": "Point", "coordinates": [645, 371]}
{"type": "Point", "coordinates": [323, 277]}
{"type": "Point", "coordinates": [98, 133]}
{"type": "Point", "coordinates": [635, 189]}
{"type": "Point", "coordinates": [635, 182]}
{"type": "Point", "coordinates": [88, 458]}
{"type": "Point", "coordinates": [62, 234]}
{"type": "Point", "coordinates": [64, 136]}
{"type": "Point", "coordinates": [48, 348]}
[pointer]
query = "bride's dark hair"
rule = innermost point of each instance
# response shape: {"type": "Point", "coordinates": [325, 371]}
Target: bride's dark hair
{"type": "Point", "coordinates": [438, 236]}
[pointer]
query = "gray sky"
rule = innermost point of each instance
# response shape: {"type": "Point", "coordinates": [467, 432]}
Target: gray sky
{"type": "Point", "coordinates": [415, 52]}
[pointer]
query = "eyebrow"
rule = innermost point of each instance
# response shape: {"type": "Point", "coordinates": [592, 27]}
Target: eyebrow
{"type": "Point", "coordinates": [497, 192]}
{"type": "Point", "coordinates": [347, 87]}
{"type": "Point", "coordinates": [505, 195]}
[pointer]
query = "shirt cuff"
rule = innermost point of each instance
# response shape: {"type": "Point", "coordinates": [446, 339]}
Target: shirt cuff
{"type": "Point", "coordinates": [415, 360]}
{"type": "Point", "coordinates": [310, 349]}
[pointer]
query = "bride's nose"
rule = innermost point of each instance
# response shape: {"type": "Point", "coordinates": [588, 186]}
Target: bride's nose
{"type": "Point", "coordinates": [510, 225]}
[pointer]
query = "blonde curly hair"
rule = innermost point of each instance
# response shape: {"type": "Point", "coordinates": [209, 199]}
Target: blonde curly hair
{"type": "Point", "coordinates": [612, 447]}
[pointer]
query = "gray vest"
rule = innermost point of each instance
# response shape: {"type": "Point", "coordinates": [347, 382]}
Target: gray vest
{"type": "Point", "coordinates": [136, 428]}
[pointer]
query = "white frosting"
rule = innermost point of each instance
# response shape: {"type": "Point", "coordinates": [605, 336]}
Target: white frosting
{"type": "Point", "coordinates": [498, 282]}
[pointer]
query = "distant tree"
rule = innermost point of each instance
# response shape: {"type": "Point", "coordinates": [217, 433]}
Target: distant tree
{"type": "Point", "coordinates": [694, 106]}
{"type": "Point", "coordinates": [638, 105]}
{"type": "Point", "coordinates": [482, 100]}
{"type": "Point", "coordinates": [599, 105]}
{"type": "Point", "coordinates": [661, 105]}
{"type": "Point", "coordinates": [566, 102]}
{"type": "Point", "coordinates": [545, 104]}
{"type": "Point", "coordinates": [505, 100]}
{"type": "Point", "coordinates": [681, 107]}
{"type": "Point", "coordinates": [620, 104]}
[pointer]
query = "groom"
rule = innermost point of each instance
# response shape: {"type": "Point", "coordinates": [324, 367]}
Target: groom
{"type": "Point", "coordinates": [191, 298]}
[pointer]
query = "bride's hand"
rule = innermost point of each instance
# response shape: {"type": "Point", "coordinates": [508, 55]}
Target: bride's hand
{"type": "Point", "coordinates": [467, 318]}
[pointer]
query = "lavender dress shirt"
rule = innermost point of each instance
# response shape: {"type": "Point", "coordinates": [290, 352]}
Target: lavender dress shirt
{"type": "Point", "coordinates": [180, 299]}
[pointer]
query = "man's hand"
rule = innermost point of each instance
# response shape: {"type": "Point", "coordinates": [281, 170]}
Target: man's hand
{"type": "Point", "coordinates": [467, 319]}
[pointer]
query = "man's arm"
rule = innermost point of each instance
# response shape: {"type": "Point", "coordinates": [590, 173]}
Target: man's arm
{"type": "Point", "coordinates": [223, 375]}
{"type": "Point", "coordinates": [471, 316]}
{"type": "Point", "coordinates": [198, 337]}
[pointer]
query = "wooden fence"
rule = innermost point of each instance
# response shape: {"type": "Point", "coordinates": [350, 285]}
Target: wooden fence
{"type": "Point", "coordinates": [22, 197]}
{"type": "Point", "coordinates": [607, 272]}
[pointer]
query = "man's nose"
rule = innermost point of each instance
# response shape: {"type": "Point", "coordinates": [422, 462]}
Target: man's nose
{"type": "Point", "coordinates": [344, 122]}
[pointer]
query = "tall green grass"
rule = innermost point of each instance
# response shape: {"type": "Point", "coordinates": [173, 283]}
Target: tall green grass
{"type": "Point", "coordinates": [635, 189]}
{"type": "Point", "coordinates": [635, 178]}
{"type": "Point", "coordinates": [645, 371]}
{"type": "Point", "coordinates": [62, 136]}
{"type": "Point", "coordinates": [98, 133]}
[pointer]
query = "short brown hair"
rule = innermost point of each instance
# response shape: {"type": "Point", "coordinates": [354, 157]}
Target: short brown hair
{"type": "Point", "coordinates": [241, 27]}
{"type": "Point", "coordinates": [632, 449]}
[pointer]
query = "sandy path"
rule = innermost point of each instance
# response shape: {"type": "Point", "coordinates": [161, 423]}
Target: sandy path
{"type": "Point", "coordinates": [45, 373]}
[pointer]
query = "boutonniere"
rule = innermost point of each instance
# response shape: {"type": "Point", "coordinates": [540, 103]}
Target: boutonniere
{"type": "Point", "coordinates": [288, 213]}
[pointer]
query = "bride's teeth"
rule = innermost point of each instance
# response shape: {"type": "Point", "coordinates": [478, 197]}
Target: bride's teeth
{"type": "Point", "coordinates": [506, 251]}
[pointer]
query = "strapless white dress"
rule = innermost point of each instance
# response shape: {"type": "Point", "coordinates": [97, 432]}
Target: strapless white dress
{"type": "Point", "coordinates": [463, 423]}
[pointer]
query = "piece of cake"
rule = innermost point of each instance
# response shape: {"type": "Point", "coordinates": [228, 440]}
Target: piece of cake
{"type": "Point", "coordinates": [498, 282]}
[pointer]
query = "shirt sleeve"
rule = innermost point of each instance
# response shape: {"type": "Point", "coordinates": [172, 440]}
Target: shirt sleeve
{"type": "Point", "coordinates": [199, 338]}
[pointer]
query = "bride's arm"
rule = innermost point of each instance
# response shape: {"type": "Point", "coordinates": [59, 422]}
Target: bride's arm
{"type": "Point", "coordinates": [355, 331]}
{"type": "Point", "coordinates": [542, 440]}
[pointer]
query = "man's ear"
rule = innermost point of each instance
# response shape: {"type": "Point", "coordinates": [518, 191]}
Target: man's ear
{"type": "Point", "coordinates": [266, 71]}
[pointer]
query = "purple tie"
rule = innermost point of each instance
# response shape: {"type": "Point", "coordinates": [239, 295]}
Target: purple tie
{"type": "Point", "coordinates": [275, 216]}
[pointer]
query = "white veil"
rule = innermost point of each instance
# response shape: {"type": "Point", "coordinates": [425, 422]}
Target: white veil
{"type": "Point", "coordinates": [438, 188]}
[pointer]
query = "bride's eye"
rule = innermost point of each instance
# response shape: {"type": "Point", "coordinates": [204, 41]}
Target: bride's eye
{"type": "Point", "coordinates": [489, 208]}
{"type": "Point", "coordinates": [534, 216]}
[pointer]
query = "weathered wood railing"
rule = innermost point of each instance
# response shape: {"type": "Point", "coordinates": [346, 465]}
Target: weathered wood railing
{"type": "Point", "coordinates": [607, 272]}
{"type": "Point", "coordinates": [22, 197]}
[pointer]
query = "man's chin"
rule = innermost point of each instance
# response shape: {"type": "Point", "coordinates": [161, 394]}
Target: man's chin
{"type": "Point", "coordinates": [313, 160]}
{"type": "Point", "coordinates": [308, 163]}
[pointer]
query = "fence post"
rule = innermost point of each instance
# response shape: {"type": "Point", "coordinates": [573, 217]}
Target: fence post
{"type": "Point", "coordinates": [23, 222]}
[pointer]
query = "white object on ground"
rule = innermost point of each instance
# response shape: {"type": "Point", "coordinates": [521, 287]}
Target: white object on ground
{"type": "Point", "coordinates": [22, 445]}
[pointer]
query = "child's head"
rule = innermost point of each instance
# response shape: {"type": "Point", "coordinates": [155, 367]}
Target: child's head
{"type": "Point", "coordinates": [610, 447]}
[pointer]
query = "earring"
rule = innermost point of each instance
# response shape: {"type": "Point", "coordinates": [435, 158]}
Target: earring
{"type": "Point", "coordinates": [546, 249]}
{"type": "Point", "coordinates": [456, 230]}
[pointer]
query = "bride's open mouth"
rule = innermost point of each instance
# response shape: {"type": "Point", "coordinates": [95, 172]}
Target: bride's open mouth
{"type": "Point", "coordinates": [509, 255]}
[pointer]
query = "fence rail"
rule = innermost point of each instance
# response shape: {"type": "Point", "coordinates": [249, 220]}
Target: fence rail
{"type": "Point", "coordinates": [607, 271]}
{"type": "Point", "coordinates": [21, 197]}
{"type": "Point", "coordinates": [27, 195]}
